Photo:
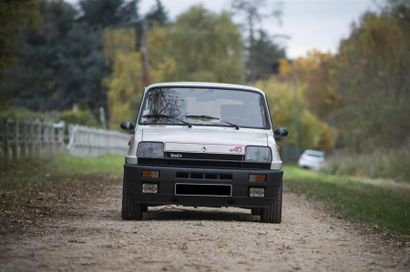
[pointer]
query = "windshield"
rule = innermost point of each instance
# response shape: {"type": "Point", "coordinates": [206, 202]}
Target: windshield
{"type": "Point", "coordinates": [313, 153]}
{"type": "Point", "coordinates": [204, 106]}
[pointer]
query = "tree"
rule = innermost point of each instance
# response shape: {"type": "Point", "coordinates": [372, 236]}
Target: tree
{"type": "Point", "coordinates": [254, 11]}
{"type": "Point", "coordinates": [308, 131]}
{"type": "Point", "coordinates": [31, 82]}
{"type": "Point", "coordinates": [265, 56]}
{"type": "Point", "coordinates": [163, 66]}
{"type": "Point", "coordinates": [123, 83]}
{"type": "Point", "coordinates": [205, 46]}
{"type": "Point", "coordinates": [315, 71]}
{"type": "Point", "coordinates": [61, 62]}
{"type": "Point", "coordinates": [15, 15]}
{"type": "Point", "coordinates": [372, 79]}
{"type": "Point", "coordinates": [157, 15]}
{"type": "Point", "coordinates": [104, 13]}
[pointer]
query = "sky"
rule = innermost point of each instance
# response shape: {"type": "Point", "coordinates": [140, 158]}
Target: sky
{"type": "Point", "coordinates": [310, 24]}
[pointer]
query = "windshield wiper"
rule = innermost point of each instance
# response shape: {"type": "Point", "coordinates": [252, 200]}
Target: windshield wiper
{"type": "Point", "coordinates": [208, 117]}
{"type": "Point", "coordinates": [157, 116]}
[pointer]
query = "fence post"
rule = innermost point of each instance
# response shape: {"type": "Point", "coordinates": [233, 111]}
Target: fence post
{"type": "Point", "coordinates": [26, 138]}
{"type": "Point", "coordinates": [15, 140]}
{"type": "Point", "coordinates": [38, 138]}
{"type": "Point", "coordinates": [23, 139]}
{"type": "Point", "coordinates": [41, 138]}
{"type": "Point", "coordinates": [61, 137]}
{"type": "Point", "coordinates": [31, 140]}
{"type": "Point", "coordinates": [6, 139]}
{"type": "Point", "coordinates": [58, 129]}
{"type": "Point", "coordinates": [53, 138]}
{"type": "Point", "coordinates": [49, 139]}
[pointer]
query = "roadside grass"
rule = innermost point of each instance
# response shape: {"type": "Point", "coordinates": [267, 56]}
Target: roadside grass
{"type": "Point", "coordinates": [34, 191]}
{"type": "Point", "coordinates": [385, 205]}
{"type": "Point", "coordinates": [382, 163]}
{"type": "Point", "coordinates": [103, 164]}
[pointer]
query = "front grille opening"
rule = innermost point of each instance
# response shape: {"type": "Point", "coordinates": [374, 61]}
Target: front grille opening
{"type": "Point", "coordinates": [202, 190]}
{"type": "Point", "coordinates": [202, 163]}
{"type": "Point", "coordinates": [206, 156]}
{"type": "Point", "coordinates": [182, 175]}
{"type": "Point", "coordinates": [226, 176]}
{"type": "Point", "coordinates": [196, 175]}
{"type": "Point", "coordinates": [211, 176]}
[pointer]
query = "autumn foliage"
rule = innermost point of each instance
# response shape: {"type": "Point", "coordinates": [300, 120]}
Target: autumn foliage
{"type": "Point", "coordinates": [355, 99]}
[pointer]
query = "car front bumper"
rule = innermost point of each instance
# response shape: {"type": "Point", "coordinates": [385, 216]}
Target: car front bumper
{"type": "Point", "coordinates": [171, 177]}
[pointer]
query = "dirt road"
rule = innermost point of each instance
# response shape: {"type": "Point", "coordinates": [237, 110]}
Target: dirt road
{"type": "Point", "coordinates": [203, 239]}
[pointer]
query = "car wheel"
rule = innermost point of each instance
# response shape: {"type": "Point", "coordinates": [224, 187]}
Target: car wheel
{"type": "Point", "coordinates": [273, 214]}
{"type": "Point", "coordinates": [131, 210]}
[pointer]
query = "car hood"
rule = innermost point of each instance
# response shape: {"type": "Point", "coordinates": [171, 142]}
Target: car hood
{"type": "Point", "coordinates": [204, 139]}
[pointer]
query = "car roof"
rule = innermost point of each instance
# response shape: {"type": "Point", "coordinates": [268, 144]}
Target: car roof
{"type": "Point", "coordinates": [311, 151]}
{"type": "Point", "coordinates": [204, 84]}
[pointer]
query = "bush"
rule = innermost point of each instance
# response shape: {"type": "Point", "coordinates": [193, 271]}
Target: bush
{"type": "Point", "coordinates": [75, 116]}
{"type": "Point", "coordinates": [377, 164]}
{"type": "Point", "coordinates": [24, 114]}
{"type": "Point", "coordinates": [80, 117]}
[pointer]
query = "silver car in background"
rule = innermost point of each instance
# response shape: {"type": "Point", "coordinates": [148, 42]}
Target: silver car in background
{"type": "Point", "coordinates": [312, 159]}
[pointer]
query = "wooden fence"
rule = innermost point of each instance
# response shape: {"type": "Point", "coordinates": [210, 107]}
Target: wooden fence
{"type": "Point", "coordinates": [86, 141]}
{"type": "Point", "coordinates": [30, 139]}
{"type": "Point", "coordinates": [38, 139]}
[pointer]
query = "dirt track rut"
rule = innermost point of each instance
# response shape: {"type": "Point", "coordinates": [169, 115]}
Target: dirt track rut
{"type": "Point", "coordinates": [204, 239]}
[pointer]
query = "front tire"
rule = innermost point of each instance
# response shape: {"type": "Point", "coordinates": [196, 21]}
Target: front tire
{"type": "Point", "coordinates": [273, 214]}
{"type": "Point", "coordinates": [131, 210]}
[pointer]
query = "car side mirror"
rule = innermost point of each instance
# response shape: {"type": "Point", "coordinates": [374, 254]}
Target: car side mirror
{"type": "Point", "coordinates": [279, 133]}
{"type": "Point", "coordinates": [127, 127]}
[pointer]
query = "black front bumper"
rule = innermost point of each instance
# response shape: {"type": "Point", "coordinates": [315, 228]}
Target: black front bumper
{"type": "Point", "coordinates": [238, 179]}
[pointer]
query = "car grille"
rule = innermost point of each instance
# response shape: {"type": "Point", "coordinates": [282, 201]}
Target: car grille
{"type": "Point", "coordinates": [199, 175]}
{"type": "Point", "coordinates": [204, 156]}
{"type": "Point", "coordinates": [202, 163]}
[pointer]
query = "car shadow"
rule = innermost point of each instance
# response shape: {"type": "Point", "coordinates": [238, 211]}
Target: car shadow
{"type": "Point", "coordinates": [173, 213]}
{"type": "Point", "coordinates": [176, 213]}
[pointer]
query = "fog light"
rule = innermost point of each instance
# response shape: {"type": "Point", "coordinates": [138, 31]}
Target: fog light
{"type": "Point", "coordinates": [256, 192]}
{"type": "Point", "coordinates": [149, 188]}
{"type": "Point", "coordinates": [257, 178]}
{"type": "Point", "coordinates": [149, 174]}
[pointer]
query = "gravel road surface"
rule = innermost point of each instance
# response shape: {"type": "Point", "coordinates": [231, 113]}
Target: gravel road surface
{"type": "Point", "coordinates": [171, 238]}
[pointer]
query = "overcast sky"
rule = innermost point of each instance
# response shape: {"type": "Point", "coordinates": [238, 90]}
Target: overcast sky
{"type": "Point", "coordinates": [311, 24]}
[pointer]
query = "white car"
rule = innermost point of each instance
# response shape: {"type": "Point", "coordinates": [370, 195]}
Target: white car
{"type": "Point", "coordinates": [203, 144]}
{"type": "Point", "coordinates": [312, 159]}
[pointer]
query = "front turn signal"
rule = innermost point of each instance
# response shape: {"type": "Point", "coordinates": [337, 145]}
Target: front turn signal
{"type": "Point", "coordinates": [257, 178]}
{"type": "Point", "coordinates": [150, 174]}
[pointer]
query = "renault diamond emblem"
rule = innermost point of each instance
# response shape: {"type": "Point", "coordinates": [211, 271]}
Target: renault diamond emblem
{"type": "Point", "coordinates": [203, 148]}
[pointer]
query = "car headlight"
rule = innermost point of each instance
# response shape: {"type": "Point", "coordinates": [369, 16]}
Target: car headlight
{"type": "Point", "coordinates": [150, 150]}
{"type": "Point", "coordinates": [258, 154]}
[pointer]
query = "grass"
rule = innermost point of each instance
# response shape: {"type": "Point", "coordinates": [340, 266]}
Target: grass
{"type": "Point", "coordinates": [391, 163]}
{"type": "Point", "coordinates": [383, 204]}
{"type": "Point", "coordinates": [34, 191]}
{"type": "Point", "coordinates": [103, 164]}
